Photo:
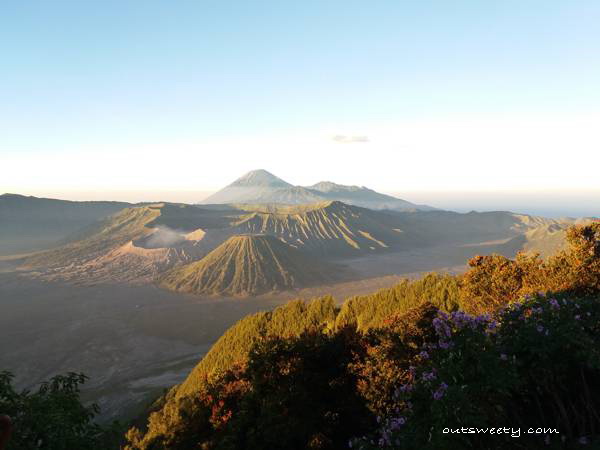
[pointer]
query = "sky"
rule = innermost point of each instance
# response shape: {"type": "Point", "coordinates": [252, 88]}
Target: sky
{"type": "Point", "coordinates": [434, 101]}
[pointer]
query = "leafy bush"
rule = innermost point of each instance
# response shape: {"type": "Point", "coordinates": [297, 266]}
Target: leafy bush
{"type": "Point", "coordinates": [371, 311]}
{"type": "Point", "coordinates": [52, 417]}
{"type": "Point", "coordinates": [293, 393]}
{"type": "Point", "coordinates": [494, 280]}
{"type": "Point", "coordinates": [538, 366]}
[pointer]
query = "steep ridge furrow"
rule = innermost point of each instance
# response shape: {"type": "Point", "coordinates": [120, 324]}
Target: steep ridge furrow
{"type": "Point", "coordinates": [248, 265]}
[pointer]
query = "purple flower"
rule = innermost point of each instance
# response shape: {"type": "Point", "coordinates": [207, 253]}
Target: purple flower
{"type": "Point", "coordinates": [503, 357]}
{"type": "Point", "coordinates": [540, 328]}
{"type": "Point", "coordinates": [424, 355]}
{"type": "Point", "coordinates": [554, 303]}
{"type": "Point", "coordinates": [583, 440]}
{"type": "Point", "coordinates": [577, 317]}
{"type": "Point", "coordinates": [428, 376]}
{"type": "Point", "coordinates": [439, 393]}
{"type": "Point", "coordinates": [397, 422]}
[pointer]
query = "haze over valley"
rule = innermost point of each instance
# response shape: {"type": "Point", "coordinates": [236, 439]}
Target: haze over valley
{"type": "Point", "coordinates": [112, 273]}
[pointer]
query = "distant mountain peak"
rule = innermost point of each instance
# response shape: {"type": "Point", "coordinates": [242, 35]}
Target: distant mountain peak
{"type": "Point", "coordinates": [262, 187]}
{"type": "Point", "coordinates": [260, 177]}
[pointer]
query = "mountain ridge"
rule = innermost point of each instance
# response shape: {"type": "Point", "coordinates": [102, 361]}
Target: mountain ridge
{"type": "Point", "coordinates": [261, 186]}
{"type": "Point", "coordinates": [29, 223]}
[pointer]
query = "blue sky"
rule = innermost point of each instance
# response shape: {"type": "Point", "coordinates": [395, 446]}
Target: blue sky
{"type": "Point", "coordinates": [143, 81]}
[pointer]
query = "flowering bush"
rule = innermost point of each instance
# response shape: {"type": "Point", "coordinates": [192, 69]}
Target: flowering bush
{"type": "Point", "coordinates": [535, 365]}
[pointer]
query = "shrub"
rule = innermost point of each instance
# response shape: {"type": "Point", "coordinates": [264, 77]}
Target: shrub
{"type": "Point", "coordinates": [537, 367]}
{"type": "Point", "coordinates": [52, 417]}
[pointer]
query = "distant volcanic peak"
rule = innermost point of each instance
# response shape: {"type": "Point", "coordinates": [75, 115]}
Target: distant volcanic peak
{"type": "Point", "coordinates": [260, 187]}
{"type": "Point", "coordinates": [260, 177]}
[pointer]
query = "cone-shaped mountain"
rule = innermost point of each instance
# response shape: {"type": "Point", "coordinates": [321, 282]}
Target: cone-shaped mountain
{"type": "Point", "coordinates": [248, 265]}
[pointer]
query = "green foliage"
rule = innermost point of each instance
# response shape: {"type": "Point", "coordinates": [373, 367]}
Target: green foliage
{"type": "Point", "coordinates": [388, 354]}
{"type": "Point", "coordinates": [369, 311]}
{"type": "Point", "coordinates": [300, 395]}
{"type": "Point", "coordinates": [495, 280]}
{"type": "Point", "coordinates": [52, 417]}
{"type": "Point", "coordinates": [233, 347]}
{"type": "Point", "coordinates": [231, 350]}
{"type": "Point", "coordinates": [537, 367]}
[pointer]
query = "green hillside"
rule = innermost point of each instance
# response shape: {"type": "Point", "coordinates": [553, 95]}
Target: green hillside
{"type": "Point", "coordinates": [290, 319]}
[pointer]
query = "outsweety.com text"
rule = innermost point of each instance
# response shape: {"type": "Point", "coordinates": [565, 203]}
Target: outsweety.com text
{"type": "Point", "coordinates": [514, 432]}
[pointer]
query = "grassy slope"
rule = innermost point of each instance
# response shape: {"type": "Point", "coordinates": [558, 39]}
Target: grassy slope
{"type": "Point", "coordinates": [290, 319]}
{"type": "Point", "coordinates": [366, 311]}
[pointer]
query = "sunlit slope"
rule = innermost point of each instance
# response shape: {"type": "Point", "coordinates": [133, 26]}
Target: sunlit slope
{"type": "Point", "coordinates": [445, 226]}
{"type": "Point", "coordinates": [247, 265]}
{"type": "Point", "coordinates": [547, 240]}
{"type": "Point", "coordinates": [144, 227]}
{"type": "Point", "coordinates": [289, 319]}
{"type": "Point", "coordinates": [297, 316]}
{"type": "Point", "coordinates": [330, 228]}
{"type": "Point", "coordinates": [112, 232]}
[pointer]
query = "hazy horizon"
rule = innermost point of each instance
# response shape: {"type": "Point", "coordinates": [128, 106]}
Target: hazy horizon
{"type": "Point", "coordinates": [554, 204]}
